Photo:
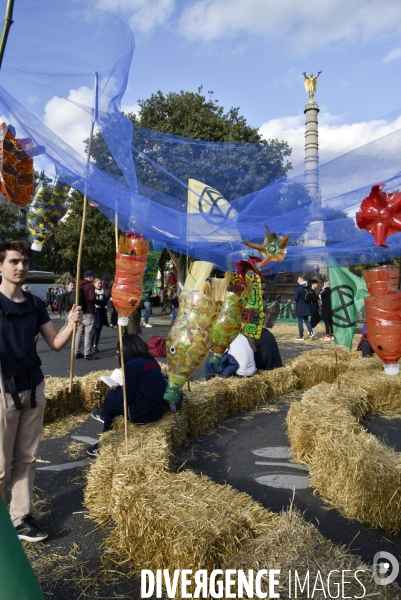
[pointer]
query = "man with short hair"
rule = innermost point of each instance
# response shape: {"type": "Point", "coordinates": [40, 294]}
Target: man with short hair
{"type": "Point", "coordinates": [87, 299]}
{"type": "Point", "coordinates": [22, 317]}
{"type": "Point", "coordinates": [66, 301]}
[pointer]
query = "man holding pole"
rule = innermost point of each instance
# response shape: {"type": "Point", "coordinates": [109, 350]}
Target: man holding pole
{"type": "Point", "coordinates": [22, 317]}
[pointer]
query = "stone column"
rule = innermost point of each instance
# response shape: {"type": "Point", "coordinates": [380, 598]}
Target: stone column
{"type": "Point", "coordinates": [312, 150]}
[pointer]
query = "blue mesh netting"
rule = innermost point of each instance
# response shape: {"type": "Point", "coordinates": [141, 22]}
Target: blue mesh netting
{"type": "Point", "coordinates": [56, 47]}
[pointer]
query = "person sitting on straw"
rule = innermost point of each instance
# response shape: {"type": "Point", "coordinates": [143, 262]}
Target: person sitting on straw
{"type": "Point", "coordinates": [239, 360]}
{"type": "Point", "coordinates": [145, 387]}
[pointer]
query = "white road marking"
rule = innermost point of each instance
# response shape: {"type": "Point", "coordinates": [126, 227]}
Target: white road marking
{"type": "Point", "coordinates": [65, 466]}
{"type": "Point", "coordinates": [274, 452]}
{"type": "Point", "coordinates": [288, 482]}
{"type": "Point", "coordinates": [281, 464]}
{"type": "Point", "coordinates": [86, 439]}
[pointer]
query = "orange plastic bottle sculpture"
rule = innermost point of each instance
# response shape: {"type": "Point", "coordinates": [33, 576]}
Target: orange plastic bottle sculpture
{"type": "Point", "coordinates": [188, 341]}
{"type": "Point", "coordinates": [130, 267]}
{"type": "Point", "coordinates": [383, 315]}
{"type": "Point", "coordinates": [228, 324]}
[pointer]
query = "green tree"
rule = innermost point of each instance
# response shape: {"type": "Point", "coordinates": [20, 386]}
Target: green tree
{"type": "Point", "coordinates": [194, 116]}
{"type": "Point", "coordinates": [9, 229]}
{"type": "Point", "coordinates": [99, 249]}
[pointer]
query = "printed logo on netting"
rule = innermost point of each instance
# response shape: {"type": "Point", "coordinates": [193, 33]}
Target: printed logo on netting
{"type": "Point", "coordinates": [343, 315]}
{"type": "Point", "coordinates": [213, 205]}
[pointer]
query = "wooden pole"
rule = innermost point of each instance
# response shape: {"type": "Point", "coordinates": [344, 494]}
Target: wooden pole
{"type": "Point", "coordinates": [81, 239]}
{"type": "Point", "coordinates": [120, 337]}
{"type": "Point", "coordinates": [8, 21]}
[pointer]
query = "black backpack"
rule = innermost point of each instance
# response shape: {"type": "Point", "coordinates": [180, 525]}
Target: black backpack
{"type": "Point", "coordinates": [308, 296]}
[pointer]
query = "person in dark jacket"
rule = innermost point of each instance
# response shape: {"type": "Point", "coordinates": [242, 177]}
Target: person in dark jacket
{"type": "Point", "coordinates": [314, 304]}
{"type": "Point", "coordinates": [326, 311]}
{"type": "Point", "coordinates": [302, 310]}
{"type": "Point", "coordinates": [145, 386]}
{"type": "Point", "coordinates": [267, 355]}
{"type": "Point", "coordinates": [87, 301]}
{"type": "Point", "coordinates": [66, 301]}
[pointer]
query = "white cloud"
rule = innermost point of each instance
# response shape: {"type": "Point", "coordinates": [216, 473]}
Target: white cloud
{"type": "Point", "coordinates": [142, 15]}
{"type": "Point", "coordinates": [335, 138]}
{"type": "Point", "coordinates": [306, 26]}
{"type": "Point", "coordinates": [68, 121]}
{"type": "Point", "coordinates": [394, 54]}
{"type": "Point", "coordinates": [130, 108]}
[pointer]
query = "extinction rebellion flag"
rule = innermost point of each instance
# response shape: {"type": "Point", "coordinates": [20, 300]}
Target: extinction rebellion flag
{"type": "Point", "coordinates": [347, 294]}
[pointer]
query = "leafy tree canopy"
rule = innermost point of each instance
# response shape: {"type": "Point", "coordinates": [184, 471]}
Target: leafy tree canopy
{"type": "Point", "coordinates": [99, 249]}
{"type": "Point", "coordinates": [9, 229]}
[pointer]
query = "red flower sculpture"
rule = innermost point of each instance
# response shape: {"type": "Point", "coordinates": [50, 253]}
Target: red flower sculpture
{"type": "Point", "coordinates": [380, 214]}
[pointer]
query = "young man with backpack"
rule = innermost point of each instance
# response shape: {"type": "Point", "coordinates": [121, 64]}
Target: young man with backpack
{"type": "Point", "coordinates": [87, 297]}
{"type": "Point", "coordinates": [302, 298]}
{"type": "Point", "coordinates": [22, 317]}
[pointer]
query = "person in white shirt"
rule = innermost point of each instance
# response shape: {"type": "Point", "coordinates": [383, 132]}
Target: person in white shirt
{"type": "Point", "coordinates": [244, 355]}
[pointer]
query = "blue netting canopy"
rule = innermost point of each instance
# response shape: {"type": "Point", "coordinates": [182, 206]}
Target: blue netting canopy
{"type": "Point", "coordinates": [55, 48]}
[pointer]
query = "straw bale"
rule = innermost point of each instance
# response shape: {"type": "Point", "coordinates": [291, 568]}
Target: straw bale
{"type": "Point", "coordinates": [369, 363]}
{"type": "Point", "coordinates": [183, 521]}
{"type": "Point", "coordinates": [291, 543]}
{"type": "Point", "coordinates": [150, 450]}
{"type": "Point", "coordinates": [94, 391]}
{"type": "Point", "coordinates": [306, 422]}
{"type": "Point", "coordinates": [279, 381]}
{"type": "Point", "coordinates": [360, 475]}
{"type": "Point", "coordinates": [59, 402]}
{"type": "Point", "coordinates": [210, 402]}
{"type": "Point", "coordinates": [355, 399]}
{"type": "Point", "coordinates": [384, 391]}
{"type": "Point", "coordinates": [207, 404]}
{"type": "Point", "coordinates": [319, 365]}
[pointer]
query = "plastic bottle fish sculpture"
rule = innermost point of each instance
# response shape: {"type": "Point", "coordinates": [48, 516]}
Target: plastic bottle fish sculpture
{"type": "Point", "coordinates": [188, 341]}
{"type": "Point", "coordinates": [16, 168]}
{"type": "Point", "coordinates": [228, 324]}
{"type": "Point", "coordinates": [45, 211]}
{"type": "Point", "coordinates": [273, 247]}
{"type": "Point", "coordinates": [130, 266]}
{"type": "Point", "coordinates": [380, 214]}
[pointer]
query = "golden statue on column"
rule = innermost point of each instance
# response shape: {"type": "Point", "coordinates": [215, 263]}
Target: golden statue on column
{"type": "Point", "coordinates": [310, 84]}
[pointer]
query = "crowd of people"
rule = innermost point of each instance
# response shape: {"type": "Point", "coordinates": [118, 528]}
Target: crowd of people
{"type": "Point", "coordinates": [314, 304]}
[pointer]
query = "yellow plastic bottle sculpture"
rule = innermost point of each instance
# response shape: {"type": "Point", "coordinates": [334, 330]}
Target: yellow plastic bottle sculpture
{"type": "Point", "coordinates": [188, 341]}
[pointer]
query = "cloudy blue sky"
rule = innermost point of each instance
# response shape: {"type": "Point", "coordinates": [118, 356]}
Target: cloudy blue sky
{"type": "Point", "coordinates": [252, 53]}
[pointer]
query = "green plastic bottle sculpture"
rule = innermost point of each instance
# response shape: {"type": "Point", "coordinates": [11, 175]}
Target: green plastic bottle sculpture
{"type": "Point", "coordinates": [188, 342]}
{"type": "Point", "coordinates": [228, 324]}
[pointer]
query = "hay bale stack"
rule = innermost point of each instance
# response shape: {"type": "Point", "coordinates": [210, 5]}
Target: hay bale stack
{"type": "Point", "coordinates": [94, 391]}
{"type": "Point", "coordinates": [359, 475]}
{"type": "Point", "coordinates": [207, 404]}
{"type": "Point", "coordinates": [59, 401]}
{"type": "Point", "coordinates": [279, 381]}
{"type": "Point", "coordinates": [291, 543]}
{"type": "Point", "coordinates": [384, 391]}
{"type": "Point", "coordinates": [149, 454]}
{"type": "Point", "coordinates": [183, 521]}
{"type": "Point", "coordinates": [307, 422]}
{"type": "Point", "coordinates": [319, 365]}
{"type": "Point", "coordinates": [352, 398]}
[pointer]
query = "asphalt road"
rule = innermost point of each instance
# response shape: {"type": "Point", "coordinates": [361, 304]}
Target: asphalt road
{"type": "Point", "coordinates": [248, 451]}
